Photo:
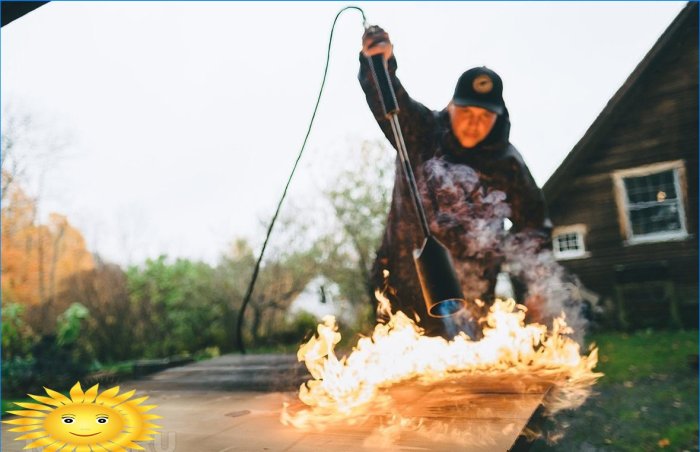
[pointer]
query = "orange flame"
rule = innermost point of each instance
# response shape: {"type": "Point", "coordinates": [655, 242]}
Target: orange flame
{"type": "Point", "coordinates": [349, 389]}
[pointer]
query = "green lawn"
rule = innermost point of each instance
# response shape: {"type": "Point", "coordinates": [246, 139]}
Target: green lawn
{"type": "Point", "coordinates": [644, 354]}
{"type": "Point", "coordinates": [647, 400]}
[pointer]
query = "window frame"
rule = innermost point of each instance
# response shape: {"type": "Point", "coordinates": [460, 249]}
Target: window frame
{"type": "Point", "coordinates": [621, 199]}
{"type": "Point", "coordinates": [580, 230]}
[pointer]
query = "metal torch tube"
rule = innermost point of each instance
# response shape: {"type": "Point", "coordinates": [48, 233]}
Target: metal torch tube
{"type": "Point", "coordinates": [441, 289]}
{"type": "Point", "coordinates": [408, 172]}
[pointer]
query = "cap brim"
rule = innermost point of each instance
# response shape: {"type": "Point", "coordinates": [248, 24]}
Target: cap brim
{"type": "Point", "coordinates": [498, 109]}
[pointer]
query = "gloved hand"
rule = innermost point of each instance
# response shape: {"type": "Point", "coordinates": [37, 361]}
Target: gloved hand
{"type": "Point", "coordinates": [376, 41]}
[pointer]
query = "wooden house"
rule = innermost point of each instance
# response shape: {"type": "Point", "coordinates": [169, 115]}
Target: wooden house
{"type": "Point", "coordinates": [624, 202]}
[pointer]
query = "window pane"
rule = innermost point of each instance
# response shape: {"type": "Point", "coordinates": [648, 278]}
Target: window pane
{"type": "Point", "coordinates": [653, 203]}
{"type": "Point", "coordinates": [568, 242]}
{"type": "Point", "coordinates": [651, 188]}
{"type": "Point", "coordinates": [658, 218]}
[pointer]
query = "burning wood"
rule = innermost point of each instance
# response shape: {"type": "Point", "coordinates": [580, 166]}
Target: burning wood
{"type": "Point", "coordinates": [355, 388]}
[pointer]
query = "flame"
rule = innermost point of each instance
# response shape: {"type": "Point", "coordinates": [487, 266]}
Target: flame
{"type": "Point", "coordinates": [349, 390]}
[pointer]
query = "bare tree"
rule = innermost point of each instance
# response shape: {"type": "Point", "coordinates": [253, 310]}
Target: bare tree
{"type": "Point", "coordinates": [30, 147]}
{"type": "Point", "coordinates": [360, 199]}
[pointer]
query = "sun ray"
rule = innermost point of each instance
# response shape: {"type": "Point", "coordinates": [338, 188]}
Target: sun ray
{"type": "Point", "coordinates": [27, 413]}
{"type": "Point", "coordinates": [125, 396]}
{"type": "Point", "coordinates": [108, 394]}
{"type": "Point", "coordinates": [149, 417]}
{"type": "Point", "coordinates": [121, 440]}
{"type": "Point", "coordinates": [115, 447]}
{"type": "Point", "coordinates": [46, 400]}
{"type": "Point", "coordinates": [26, 428]}
{"type": "Point", "coordinates": [76, 393]}
{"type": "Point", "coordinates": [41, 443]}
{"type": "Point", "coordinates": [58, 396]}
{"type": "Point", "coordinates": [20, 421]}
{"type": "Point", "coordinates": [54, 447]}
{"type": "Point", "coordinates": [33, 435]}
{"type": "Point", "coordinates": [33, 406]}
{"type": "Point", "coordinates": [139, 400]}
{"type": "Point", "coordinates": [91, 394]}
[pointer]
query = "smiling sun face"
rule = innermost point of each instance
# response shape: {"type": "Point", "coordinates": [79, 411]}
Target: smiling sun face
{"type": "Point", "coordinates": [108, 420]}
{"type": "Point", "coordinates": [84, 423]}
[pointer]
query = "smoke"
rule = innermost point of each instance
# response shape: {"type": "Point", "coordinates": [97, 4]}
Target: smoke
{"type": "Point", "coordinates": [551, 290]}
{"type": "Point", "coordinates": [468, 218]}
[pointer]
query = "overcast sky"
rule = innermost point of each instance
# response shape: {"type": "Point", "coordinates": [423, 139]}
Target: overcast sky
{"type": "Point", "coordinates": [184, 119]}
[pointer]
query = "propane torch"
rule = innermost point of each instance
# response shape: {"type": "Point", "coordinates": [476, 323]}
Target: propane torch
{"type": "Point", "coordinates": [441, 289]}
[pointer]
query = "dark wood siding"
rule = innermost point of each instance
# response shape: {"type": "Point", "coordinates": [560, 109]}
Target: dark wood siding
{"type": "Point", "coordinates": [657, 122]}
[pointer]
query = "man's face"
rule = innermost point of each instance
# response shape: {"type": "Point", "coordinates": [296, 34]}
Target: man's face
{"type": "Point", "coordinates": [471, 124]}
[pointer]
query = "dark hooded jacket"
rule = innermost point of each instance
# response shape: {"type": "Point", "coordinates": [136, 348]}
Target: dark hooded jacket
{"type": "Point", "coordinates": [467, 195]}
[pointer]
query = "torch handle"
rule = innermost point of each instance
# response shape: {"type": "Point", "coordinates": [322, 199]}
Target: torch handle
{"type": "Point", "coordinates": [391, 110]}
{"type": "Point", "coordinates": [386, 91]}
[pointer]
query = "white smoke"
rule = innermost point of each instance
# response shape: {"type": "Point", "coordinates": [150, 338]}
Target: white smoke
{"type": "Point", "coordinates": [551, 290]}
{"type": "Point", "coordinates": [470, 218]}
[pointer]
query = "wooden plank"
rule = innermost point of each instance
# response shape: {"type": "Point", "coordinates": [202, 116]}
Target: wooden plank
{"type": "Point", "coordinates": [472, 413]}
{"type": "Point", "coordinates": [475, 413]}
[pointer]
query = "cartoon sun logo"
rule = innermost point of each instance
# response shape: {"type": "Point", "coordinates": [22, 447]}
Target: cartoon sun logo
{"type": "Point", "coordinates": [85, 421]}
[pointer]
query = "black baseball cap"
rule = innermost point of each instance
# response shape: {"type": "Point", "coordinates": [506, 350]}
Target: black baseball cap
{"type": "Point", "coordinates": [480, 87]}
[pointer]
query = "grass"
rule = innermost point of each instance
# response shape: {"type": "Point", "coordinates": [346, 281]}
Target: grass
{"type": "Point", "coordinates": [623, 357]}
{"type": "Point", "coordinates": [647, 400]}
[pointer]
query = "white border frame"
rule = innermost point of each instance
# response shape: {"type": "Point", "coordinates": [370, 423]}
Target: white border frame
{"type": "Point", "coordinates": [678, 167]}
{"type": "Point", "coordinates": [581, 230]}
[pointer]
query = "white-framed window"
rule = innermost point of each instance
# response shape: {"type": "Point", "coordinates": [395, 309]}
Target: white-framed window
{"type": "Point", "coordinates": [650, 201]}
{"type": "Point", "coordinates": [568, 242]}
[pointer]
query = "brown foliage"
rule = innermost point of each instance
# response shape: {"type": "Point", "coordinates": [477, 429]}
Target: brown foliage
{"type": "Point", "coordinates": [103, 291]}
{"type": "Point", "coordinates": [36, 257]}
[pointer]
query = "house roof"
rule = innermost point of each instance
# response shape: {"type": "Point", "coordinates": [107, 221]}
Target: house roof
{"type": "Point", "coordinates": [14, 10]}
{"type": "Point", "coordinates": [602, 124]}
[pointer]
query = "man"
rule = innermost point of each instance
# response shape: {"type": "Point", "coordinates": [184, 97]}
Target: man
{"type": "Point", "coordinates": [471, 179]}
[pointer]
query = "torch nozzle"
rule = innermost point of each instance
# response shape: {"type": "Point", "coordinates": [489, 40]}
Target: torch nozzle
{"type": "Point", "coordinates": [438, 279]}
{"type": "Point", "coordinates": [446, 308]}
